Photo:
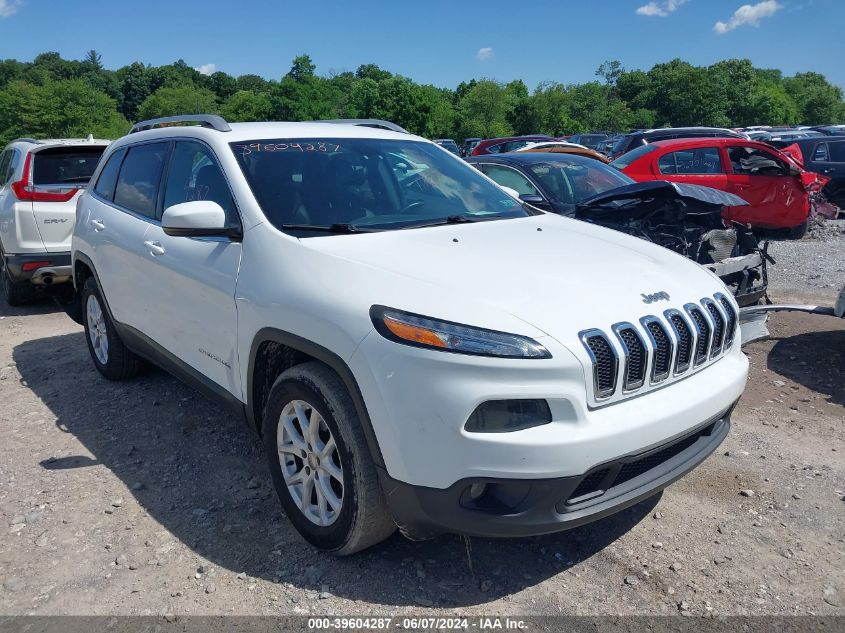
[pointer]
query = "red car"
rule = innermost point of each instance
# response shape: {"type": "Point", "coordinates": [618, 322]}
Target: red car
{"type": "Point", "coordinates": [776, 187]}
{"type": "Point", "coordinates": [507, 144]}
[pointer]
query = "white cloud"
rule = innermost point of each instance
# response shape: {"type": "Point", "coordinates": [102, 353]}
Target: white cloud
{"type": "Point", "coordinates": [484, 54]}
{"type": "Point", "coordinates": [661, 9]}
{"type": "Point", "coordinates": [749, 14]}
{"type": "Point", "coordinates": [8, 7]}
{"type": "Point", "coordinates": [205, 69]}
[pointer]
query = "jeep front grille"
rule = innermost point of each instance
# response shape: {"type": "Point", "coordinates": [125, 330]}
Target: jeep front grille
{"type": "Point", "coordinates": [658, 349]}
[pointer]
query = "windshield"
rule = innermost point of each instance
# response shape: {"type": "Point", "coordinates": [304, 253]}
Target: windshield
{"type": "Point", "coordinates": [572, 179]}
{"type": "Point", "coordinates": [626, 159]}
{"type": "Point", "coordinates": [366, 184]}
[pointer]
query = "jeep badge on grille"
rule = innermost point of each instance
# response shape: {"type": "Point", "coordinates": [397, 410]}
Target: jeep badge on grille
{"type": "Point", "coordinates": [657, 296]}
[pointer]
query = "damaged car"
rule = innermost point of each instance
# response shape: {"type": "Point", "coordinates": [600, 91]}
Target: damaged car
{"type": "Point", "coordinates": [684, 218]}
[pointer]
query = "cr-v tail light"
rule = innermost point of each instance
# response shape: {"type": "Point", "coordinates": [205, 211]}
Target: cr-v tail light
{"type": "Point", "coordinates": [26, 191]}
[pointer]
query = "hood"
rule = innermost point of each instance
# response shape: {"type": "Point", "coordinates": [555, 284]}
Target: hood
{"type": "Point", "coordinates": [559, 275]}
{"type": "Point", "coordinates": [696, 195]}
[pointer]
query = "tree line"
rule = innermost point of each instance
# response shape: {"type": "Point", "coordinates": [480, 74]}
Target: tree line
{"type": "Point", "coordinates": [56, 97]}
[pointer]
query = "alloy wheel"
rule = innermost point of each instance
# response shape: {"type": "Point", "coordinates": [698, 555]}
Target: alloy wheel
{"type": "Point", "coordinates": [97, 329]}
{"type": "Point", "coordinates": [310, 462]}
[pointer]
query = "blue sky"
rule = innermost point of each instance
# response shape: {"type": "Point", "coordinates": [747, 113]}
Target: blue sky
{"type": "Point", "coordinates": [434, 41]}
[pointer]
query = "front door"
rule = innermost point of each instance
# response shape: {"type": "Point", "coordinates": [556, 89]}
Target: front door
{"type": "Point", "coordinates": [776, 199]}
{"type": "Point", "coordinates": [191, 280]}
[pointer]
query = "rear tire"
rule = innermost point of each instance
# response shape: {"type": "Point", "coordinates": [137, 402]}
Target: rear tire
{"type": "Point", "coordinates": [321, 464]}
{"type": "Point", "coordinates": [17, 293]}
{"type": "Point", "coordinates": [111, 357]}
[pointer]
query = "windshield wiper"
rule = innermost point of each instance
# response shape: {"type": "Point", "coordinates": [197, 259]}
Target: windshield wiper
{"type": "Point", "coordinates": [330, 228]}
{"type": "Point", "coordinates": [452, 219]}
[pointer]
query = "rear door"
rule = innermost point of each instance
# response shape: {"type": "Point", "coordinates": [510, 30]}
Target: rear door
{"type": "Point", "coordinates": [694, 166]}
{"type": "Point", "coordinates": [58, 176]}
{"type": "Point", "coordinates": [829, 160]}
{"type": "Point", "coordinates": [776, 199]}
{"type": "Point", "coordinates": [114, 220]}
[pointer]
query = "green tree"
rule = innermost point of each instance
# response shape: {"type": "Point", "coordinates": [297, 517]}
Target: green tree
{"type": "Point", "coordinates": [302, 68]}
{"type": "Point", "coordinates": [246, 105]}
{"type": "Point", "coordinates": [819, 102]}
{"type": "Point", "coordinates": [169, 101]}
{"type": "Point", "coordinates": [483, 111]}
{"type": "Point", "coordinates": [134, 88]}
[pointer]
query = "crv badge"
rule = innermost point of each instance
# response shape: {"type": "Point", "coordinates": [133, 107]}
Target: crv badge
{"type": "Point", "coordinates": [657, 296]}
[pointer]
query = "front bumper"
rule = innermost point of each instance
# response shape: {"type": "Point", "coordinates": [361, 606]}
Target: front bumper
{"type": "Point", "coordinates": [57, 266]}
{"type": "Point", "coordinates": [526, 507]}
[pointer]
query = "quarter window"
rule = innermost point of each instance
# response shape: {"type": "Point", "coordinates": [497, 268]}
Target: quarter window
{"type": "Point", "coordinates": [193, 174]}
{"type": "Point", "coordinates": [821, 155]}
{"type": "Point", "coordinates": [108, 177]}
{"type": "Point", "coordinates": [140, 176]}
{"type": "Point", "coordinates": [703, 161]}
{"type": "Point", "coordinates": [5, 160]}
{"type": "Point", "coordinates": [755, 162]}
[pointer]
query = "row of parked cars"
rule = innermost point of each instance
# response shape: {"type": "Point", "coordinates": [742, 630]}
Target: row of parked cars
{"type": "Point", "coordinates": [418, 342]}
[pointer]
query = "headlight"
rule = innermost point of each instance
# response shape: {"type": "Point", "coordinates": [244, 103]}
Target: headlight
{"type": "Point", "coordinates": [421, 331]}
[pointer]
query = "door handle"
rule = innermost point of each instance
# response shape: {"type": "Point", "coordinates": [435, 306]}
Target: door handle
{"type": "Point", "coordinates": [155, 248]}
{"type": "Point", "coordinates": [98, 225]}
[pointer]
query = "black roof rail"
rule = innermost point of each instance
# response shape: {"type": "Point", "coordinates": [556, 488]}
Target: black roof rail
{"type": "Point", "coordinates": [212, 121]}
{"type": "Point", "coordinates": [376, 123]}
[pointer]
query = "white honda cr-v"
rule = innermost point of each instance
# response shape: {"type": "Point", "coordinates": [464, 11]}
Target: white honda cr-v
{"type": "Point", "coordinates": [418, 348]}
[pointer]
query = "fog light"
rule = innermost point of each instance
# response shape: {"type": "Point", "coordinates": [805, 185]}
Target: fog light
{"type": "Point", "coordinates": [505, 416]}
{"type": "Point", "coordinates": [476, 491]}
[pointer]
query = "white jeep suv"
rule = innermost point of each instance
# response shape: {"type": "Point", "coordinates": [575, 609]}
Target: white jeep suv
{"type": "Point", "coordinates": [40, 182]}
{"type": "Point", "coordinates": [417, 348]}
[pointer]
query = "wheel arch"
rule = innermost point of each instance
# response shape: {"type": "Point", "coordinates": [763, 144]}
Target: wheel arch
{"type": "Point", "coordinates": [273, 351]}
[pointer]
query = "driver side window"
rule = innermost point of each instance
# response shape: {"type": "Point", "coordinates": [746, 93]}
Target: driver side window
{"type": "Point", "coordinates": [756, 162]}
{"type": "Point", "coordinates": [508, 177]}
{"type": "Point", "coordinates": [193, 174]}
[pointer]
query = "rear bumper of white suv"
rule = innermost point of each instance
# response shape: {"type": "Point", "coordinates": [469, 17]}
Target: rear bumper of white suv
{"type": "Point", "coordinates": [39, 268]}
{"type": "Point", "coordinates": [440, 477]}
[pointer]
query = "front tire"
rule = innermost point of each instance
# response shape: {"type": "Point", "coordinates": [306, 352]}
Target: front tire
{"type": "Point", "coordinates": [111, 357]}
{"type": "Point", "coordinates": [320, 462]}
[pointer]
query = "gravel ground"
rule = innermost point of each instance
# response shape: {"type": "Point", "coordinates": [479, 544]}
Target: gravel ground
{"type": "Point", "coordinates": [143, 498]}
{"type": "Point", "coordinates": [810, 268]}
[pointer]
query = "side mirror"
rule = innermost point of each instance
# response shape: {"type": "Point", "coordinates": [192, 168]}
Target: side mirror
{"type": "Point", "coordinates": [532, 199]}
{"type": "Point", "coordinates": [198, 218]}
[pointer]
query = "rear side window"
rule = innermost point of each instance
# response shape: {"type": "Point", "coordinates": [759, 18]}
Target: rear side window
{"type": "Point", "coordinates": [193, 174]}
{"type": "Point", "coordinates": [821, 155]}
{"type": "Point", "coordinates": [837, 152]}
{"type": "Point", "coordinates": [703, 161]}
{"type": "Point", "coordinates": [108, 177]}
{"type": "Point", "coordinates": [635, 154]}
{"type": "Point", "coordinates": [5, 161]}
{"type": "Point", "coordinates": [65, 165]}
{"type": "Point", "coordinates": [140, 176]}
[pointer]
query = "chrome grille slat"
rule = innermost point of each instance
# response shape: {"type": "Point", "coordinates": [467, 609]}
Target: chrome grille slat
{"type": "Point", "coordinates": [718, 320]}
{"type": "Point", "coordinates": [704, 333]}
{"type": "Point", "coordinates": [662, 348]}
{"type": "Point", "coordinates": [685, 336]}
{"type": "Point", "coordinates": [605, 362]}
{"type": "Point", "coordinates": [730, 315]}
{"type": "Point", "coordinates": [636, 356]}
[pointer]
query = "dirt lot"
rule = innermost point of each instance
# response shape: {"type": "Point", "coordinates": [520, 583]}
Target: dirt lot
{"type": "Point", "coordinates": [144, 498]}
